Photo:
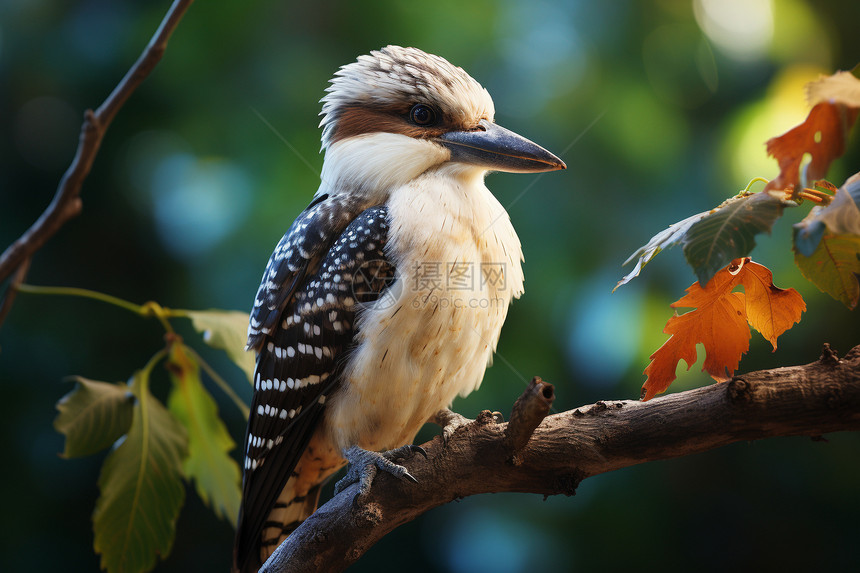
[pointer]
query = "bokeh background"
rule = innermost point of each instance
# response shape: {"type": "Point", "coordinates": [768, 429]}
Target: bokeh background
{"type": "Point", "coordinates": [660, 110]}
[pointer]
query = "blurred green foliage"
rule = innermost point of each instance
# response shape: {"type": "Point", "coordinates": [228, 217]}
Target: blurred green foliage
{"type": "Point", "coordinates": [660, 110]}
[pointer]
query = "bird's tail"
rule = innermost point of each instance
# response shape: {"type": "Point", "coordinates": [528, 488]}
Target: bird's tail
{"type": "Point", "coordinates": [291, 509]}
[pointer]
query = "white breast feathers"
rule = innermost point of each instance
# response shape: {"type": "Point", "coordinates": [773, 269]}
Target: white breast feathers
{"type": "Point", "coordinates": [433, 335]}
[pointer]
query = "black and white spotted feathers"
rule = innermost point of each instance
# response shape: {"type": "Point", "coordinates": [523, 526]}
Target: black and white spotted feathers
{"type": "Point", "coordinates": [299, 251]}
{"type": "Point", "coordinates": [329, 264]}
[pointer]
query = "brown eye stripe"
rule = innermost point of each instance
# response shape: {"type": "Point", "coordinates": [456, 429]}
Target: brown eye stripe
{"type": "Point", "coordinates": [356, 120]}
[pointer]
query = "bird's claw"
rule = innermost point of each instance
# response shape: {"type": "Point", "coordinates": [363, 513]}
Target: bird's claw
{"type": "Point", "coordinates": [418, 450]}
{"type": "Point", "coordinates": [450, 421]}
{"type": "Point", "coordinates": [364, 464]}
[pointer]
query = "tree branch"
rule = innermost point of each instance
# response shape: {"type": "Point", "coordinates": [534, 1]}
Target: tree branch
{"type": "Point", "coordinates": [566, 448]}
{"type": "Point", "coordinates": [66, 203]}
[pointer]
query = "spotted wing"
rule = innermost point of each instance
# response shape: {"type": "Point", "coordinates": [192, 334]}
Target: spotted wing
{"type": "Point", "coordinates": [297, 254]}
{"type": "Point", "coordinates": [299, 362]}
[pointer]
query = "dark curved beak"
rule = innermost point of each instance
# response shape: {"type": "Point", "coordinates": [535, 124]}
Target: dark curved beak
{"type": "Point", "coordinates": [499, 149]}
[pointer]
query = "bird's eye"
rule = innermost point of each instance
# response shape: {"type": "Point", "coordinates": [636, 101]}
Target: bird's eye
{"type": "Point", "coordinates": [422, 115]}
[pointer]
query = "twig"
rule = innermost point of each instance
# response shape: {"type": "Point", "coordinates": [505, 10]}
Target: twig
{"type": "Point", "coordinates": [529, 411]}
{"type": "Point", "coordinates": [66, 203]}
{"type": "Point", "coordinates": [567, 448]}
{"type": "Point", "coordinates": [12, 291]}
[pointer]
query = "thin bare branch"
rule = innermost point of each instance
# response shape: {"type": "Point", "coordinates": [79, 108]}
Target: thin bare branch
{"type": "Point", "coordinates": [12, 291]}
{"type": "Point", "coordinates": [66, 203]}
{"type": "Point", "coordinates": [566, 448]}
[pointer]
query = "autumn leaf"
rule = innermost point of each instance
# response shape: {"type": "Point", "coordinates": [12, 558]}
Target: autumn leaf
{"type": "Point", "coordinates": [822, 135]}
{"type": "Point", "coordinates": [720, 323]}
{"type": "Point", "coordinates": [770, 309]}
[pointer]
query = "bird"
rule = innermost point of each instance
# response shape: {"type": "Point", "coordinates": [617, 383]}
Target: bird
{"type": "Point", "coordinates": [385, 298]}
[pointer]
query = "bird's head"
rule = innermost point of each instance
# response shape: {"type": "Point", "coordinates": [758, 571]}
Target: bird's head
{"type": "Point", "coordinates": [398, 112]}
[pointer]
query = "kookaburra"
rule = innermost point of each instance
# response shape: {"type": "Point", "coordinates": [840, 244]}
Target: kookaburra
{"type": "Point", "coordinates": [385, 298]}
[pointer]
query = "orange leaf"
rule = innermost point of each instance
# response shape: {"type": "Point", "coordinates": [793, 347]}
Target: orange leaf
{"type": "Point", "coordinates": [770, 310]}
{"type": "Point", "coordinates": [719, 323]}
{"type": "Point", "coordinates": [822, 135]}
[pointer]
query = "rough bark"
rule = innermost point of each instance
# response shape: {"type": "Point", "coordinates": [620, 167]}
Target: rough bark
{"type": "Point", "coordinates": [566, 448]}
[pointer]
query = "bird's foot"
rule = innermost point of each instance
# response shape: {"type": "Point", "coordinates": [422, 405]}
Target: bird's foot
{"type": "Point", "coordinates": [364, 464]}
{"type": "Point", "coordinates": [450, 421]}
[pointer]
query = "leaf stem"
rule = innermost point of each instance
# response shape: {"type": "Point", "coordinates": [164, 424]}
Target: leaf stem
{"type": "Point", "coordinates": [816, 195]}
{"type": "Point", "coordinates": [145, 310]}
{"type": "Point", "coordinates": [84, 293]}
{"type": "Point", "coordinates": [752, 182]}
{"type": "Point", "coordinates": [141, 378]}
{"type": "Point", "coordinates": [152, 308]}
{"type": "Point", "coordinates": [225, 387]}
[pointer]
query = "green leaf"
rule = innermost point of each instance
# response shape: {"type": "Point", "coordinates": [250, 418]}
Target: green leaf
{"type": "Point", "coordinates": [727, 232]}
{"type": "Point", "coordinates": [834, 267]}
{"type": "Point", "coordinates": [216, 475]}
{"type": "Point", "coordinates": [141, 488]}
{"type": "Point", "coordinates": [662, 240]}
{"type": "Point", "coordinates": [93, 416]}
{"type": "Point", "coordinates": [225, 330]}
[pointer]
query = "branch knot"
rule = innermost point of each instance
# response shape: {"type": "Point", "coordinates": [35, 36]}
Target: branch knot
{"type": "Point", "coordinates": [739, 391]}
